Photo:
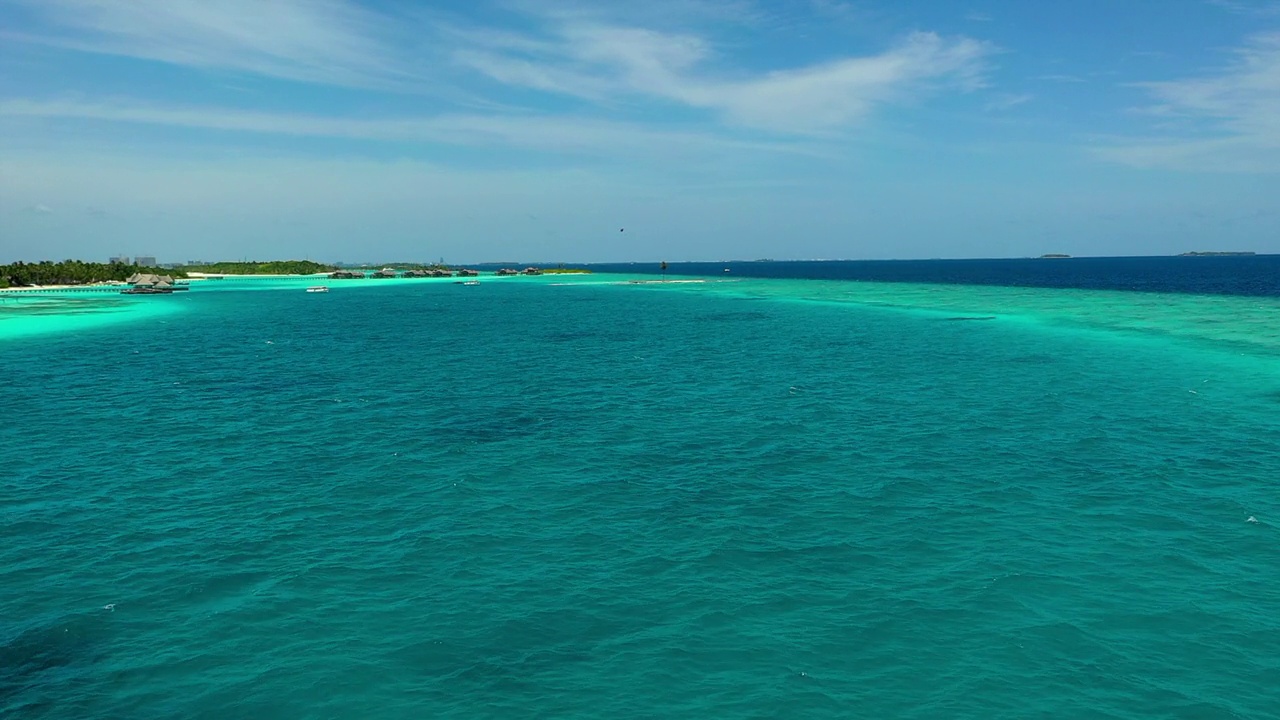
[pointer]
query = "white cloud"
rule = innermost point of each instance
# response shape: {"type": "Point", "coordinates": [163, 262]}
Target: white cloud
{"type": "Point", "coordinates": [1007, 101]}
{"type": "Point", "coordinates": [1263, 8]}
{"type": "Point", "coordinates": [329, 41]}
{"type": "Point", "coordinates": [560, 134]}
{"type": "Point", "coordinates": [655, 13]}
{"type": "Point", "coordinates": [1229, 121]}
{"type": "Point", "coordinates": [600, 60]}
{"type": "Point", "coordinates": [613, 56]}
{"type": "Point", "coordinates": [41, 209]}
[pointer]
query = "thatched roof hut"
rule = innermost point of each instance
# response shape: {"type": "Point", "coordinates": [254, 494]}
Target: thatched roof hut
{"type": "Point", "coordinates": [384, 273]}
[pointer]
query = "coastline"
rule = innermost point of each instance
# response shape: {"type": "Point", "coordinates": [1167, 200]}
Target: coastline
{"type": "Point", "coordinates": [192, 278]}
{"type": "Point", "coordinates": [29, 288]}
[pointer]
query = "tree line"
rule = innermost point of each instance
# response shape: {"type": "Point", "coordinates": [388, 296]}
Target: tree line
{"type": "Point", "coordinates": [274, 267]}
{"type": "Point", "coordinates": [77, 272]}
{"type": "Point", "coordinates": [401, 266]}
{"type": "Point", "coordinates": [72, 272]}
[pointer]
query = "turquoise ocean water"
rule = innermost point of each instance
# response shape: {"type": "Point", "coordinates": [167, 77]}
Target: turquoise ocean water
{"type": "Point", "coordinates": [563, 498]}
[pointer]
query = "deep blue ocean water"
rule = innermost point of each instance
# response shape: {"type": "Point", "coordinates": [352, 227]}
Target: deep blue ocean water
{"type": "Point", "coordinates": [1212, 275]}
{"type": "Point", "coordinates": [582, 497]}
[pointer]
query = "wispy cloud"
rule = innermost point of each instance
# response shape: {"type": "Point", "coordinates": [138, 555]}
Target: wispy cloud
{"type": "Point", "coordinates": [329, 41]}
{"type": "Point", "coordinates": [838, 10]}
{"type": "Point", "coordinates": [612, 56]}
{"type": "Point", "coordinates": [1229, 121]}
{"type": "Point", "coordinates": [654, 13]}
{"type": "Point", "coordinates": [605, 61]}
{"type": "Point", "coordinates": [1008, 101]}
{"type": "Point", "coordinates": [548, 133]}
{"type": "Point", "coordinates": [1256, 8]}
{"type": "Point", "coordinates": [1060, 78]}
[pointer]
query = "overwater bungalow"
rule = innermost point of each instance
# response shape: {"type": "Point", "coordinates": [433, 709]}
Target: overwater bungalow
{"type": "Point", "coordinates": [346, 275]}
{"type": "Point", "coordinates": [439, 272]}
{"type": "Point", "coordinates": [464, 272]}
{"type": "Point", "coordinates": [384, 273]}
{"type": "Point", "coordinates": [507, 271]}
{"type": "Point", "coordinates": [148, 279]}
{"type": "Point", "coordinates": [149, 284]}
{"type": "Point", "coordinates": [532, 271]}
{"type": "Point", "coordinates": [416, 274]}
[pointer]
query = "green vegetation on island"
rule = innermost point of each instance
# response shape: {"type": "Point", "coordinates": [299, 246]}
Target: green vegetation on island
{"type": "Point", "coordinates": [396, 265]}
{"type": "Point", "coordinates": [76, 272]}
{"type": "Point", "coordinates": [274, 267]}
{"type": "Point", "coordinates": [73, 272]}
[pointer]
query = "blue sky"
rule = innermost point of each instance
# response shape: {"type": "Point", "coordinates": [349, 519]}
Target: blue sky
{"type": "Point", "coordinates": [534, 130]}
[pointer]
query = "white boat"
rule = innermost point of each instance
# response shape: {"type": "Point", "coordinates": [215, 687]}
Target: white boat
{"type": "Point", "coordinates": [318, 288]}
{"type": "Point", "coordinates": [471, 282]}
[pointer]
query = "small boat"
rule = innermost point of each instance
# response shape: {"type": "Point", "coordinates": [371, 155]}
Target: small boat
{"type": "Point", "coordinates": [471, 282]}
{"type": "Point", "coordinates": [318, 288]}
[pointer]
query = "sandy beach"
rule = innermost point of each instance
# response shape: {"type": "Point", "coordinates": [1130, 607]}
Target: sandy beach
{"type": "Point", "coordinates": [61, 287]}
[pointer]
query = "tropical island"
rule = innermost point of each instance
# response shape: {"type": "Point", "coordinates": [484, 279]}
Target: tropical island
{"type": "Point", "coordinates": [273, 267]}
{"type": "Point", "coordinates": [1054, 256]}
{"type": "Point", "coordinates": [71, 273]}
{"type": "Point", "coordinates": [1215, 253]}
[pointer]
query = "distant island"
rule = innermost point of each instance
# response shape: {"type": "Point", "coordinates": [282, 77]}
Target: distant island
{"type": "Point", "coordinates": [1215, 253]}
{"type": "Point", "coordinates": [1054, 256]}
{"type": "Point", "coordinates": [273, 267]}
